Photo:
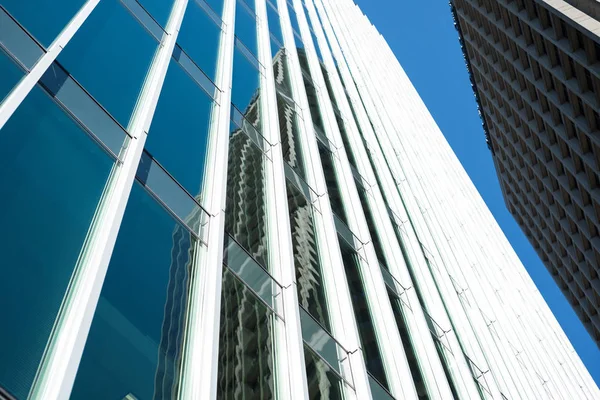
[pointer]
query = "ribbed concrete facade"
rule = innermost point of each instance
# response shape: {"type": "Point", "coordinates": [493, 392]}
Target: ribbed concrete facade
{"type": "Point", "coordinates": [236, 199]}
{"type": "Point", "coordinates": [535, 69]}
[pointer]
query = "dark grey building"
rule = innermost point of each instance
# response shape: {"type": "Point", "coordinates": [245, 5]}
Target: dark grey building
{"type": "Point", "coordinates": [535, 70]}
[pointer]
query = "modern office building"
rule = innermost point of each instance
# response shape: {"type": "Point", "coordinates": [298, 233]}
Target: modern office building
{"type": "Point", "coordinates": [535, 70]}
{"type": "Point", "coordinates": [246, 199]}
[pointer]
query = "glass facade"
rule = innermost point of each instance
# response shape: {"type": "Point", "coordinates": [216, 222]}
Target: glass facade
{"type": "Point", "coordinates": [184, 213]}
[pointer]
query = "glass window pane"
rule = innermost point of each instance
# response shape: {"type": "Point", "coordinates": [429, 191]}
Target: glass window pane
{"type": "Point", "coordinates": [408, 344]}
{"type": "Point", "coordinates": [42, 18]}
{"type": "Point", "coordinates": [245, 26]}
{"type": "Point", "coordinates": [70, 95]}
{"type": "Point", "coordinates": [245, 90]}
{"type": "Point", "coordinates": [289, 134]}
{"type": "Point", "coordinates": [275, 29]}
{"type": "Point", "coordinates": [333, 188]}
{"type": "Point", "coordinates": [179, 132]}
{"type": "Point", "coordinates": [322, 382]}
{"type": "Point", "coordinates": [215, 6]}
{"type": "Point", "coordinates": [158, 9]}
{"type": "Point", "coordinates": [110, 56]}
{"type": "Point", "coordinates": [364, 201]}
{"type": "Point", "coordinates": [250, 272]}
{"type": "Point", "coordinates": [295, 26]}
{"type": "Point", "coordinates": [199, 37]}
{"type": "Point", "coordinates": [246, 352]}
{"type": "Point", "coordinates": [52, 177]}
{"type": "Point", "coordinates": [18, 43]}
{"type": "Point", "coordinates": [281, 72]}
{"type": "Point", "coordinates": [245, 217]}
{"type": "Point", "coordinates": [11, 75]}
{"type": "Point", "coordinates": [136, 339]}
{"type": "Point", "coordinates": [311, 292]}
{"type": "Point", "coordinates": [321, 341]}
{"type": "Point", "coordinates": [378, 392]}
{"type": "Point", "coordinates": [360, 304]}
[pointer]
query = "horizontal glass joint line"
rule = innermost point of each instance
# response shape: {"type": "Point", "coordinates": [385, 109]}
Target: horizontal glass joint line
{"type": "Point", "coordinates": [211, 13]}
{"type": "Point", "coordinates": [333, 370]}
{"type": "Point", "coordinates": [169, 193]}
{"type": "Point", "coordinates": [144, 18]}
{"type": "Point", "coordinates": [17, 42]}
{"type": "Point", "coordinates": [88, 113]}
{"type": "Point", "coordinates": [248, 9]}
{"type": "Point", "coordinates": [300, 184]}
{"type": "Point", "coordinates": [379, 386]}
{"type": "Point", "coordinates": [345, 233]}
{"type": "Point", "coordinates": [239, 44]}
{"type": "Point", "coordinates": [196, 73]}
{"type": "Point", "coordinates": [302, 309]}
{"type": "Point", "coordinates": [243, 124]}
{"type": "Point", "coordinates": [230, 240]}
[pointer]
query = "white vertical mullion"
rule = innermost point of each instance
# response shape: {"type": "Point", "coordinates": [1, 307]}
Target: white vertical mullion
{"type": "Point", "coordinates": [433, 376]}
{"type": "Point", "coordinates": [400, 377]}
{"type": "Point", "coordinates": [200, 360]}
{"type": "Point", "coordinates": [379, 313]}
{"type": "Point", "coordinates": [434, 304]}
{"type": "Point", "coordinates": [61, 361]}
{"type": "Point", "coordinates": [290, 368]}
{"type": "Point", "coordinates": [343, 325]}
{"type": "Point", "coordinates": [18, 94]}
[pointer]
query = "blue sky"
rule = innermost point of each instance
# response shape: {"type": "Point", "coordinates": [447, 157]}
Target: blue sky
{"type": "Point", "coordinates": [422, 35]}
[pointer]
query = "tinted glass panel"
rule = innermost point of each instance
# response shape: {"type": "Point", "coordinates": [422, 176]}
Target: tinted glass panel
{"type": "Point", "coordinates": [135, 342]}
{"type": "Point", "coordinates": [289, 133]}
{"type": "Point", "coordinates": [15, 41]}
{"type": "Point", "coordinates": [245, 26]}
{"type": "Point", "coordinates": [246, 219]}
{"type": "Point", "coordinates": [378, 392]}
{"type": "Point", "coordinates": [158, 9]}
{"type": "Point", "coordinates": [331, 181]}
{"type": "Point", "coordinates": [245, 90]}
{"type": "Point", "coordinates": [245, 344]}
{"type": "Point", "coordinates": [366, 329]}
{"type": "Point", "coordinates": [323, 383]}
{"type": "Point", "coordinates": [52, 178]}
{"type": "Point", "coordinates": [110, 56]}
{"type": "Point", "coordinates": [311, 292]}
{"type": "Point", "coordinates": [199, 37]}
{"type": "Point", "coordinates": [407, 343]}
{"type": "Point", "coordinates": [275, 29]}
{"type": "Point", "coordinates": [179, 132]}
{"type": "Point", "coordinates": [215, 5]}
{"type": "Point", "coordinates": [11, 74]}
{"type": "Point", "coordinates": [42, 18]}
{"type": "Point", "coordinates": [371, 225]}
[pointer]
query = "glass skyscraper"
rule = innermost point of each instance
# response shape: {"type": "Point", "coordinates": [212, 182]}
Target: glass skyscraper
{"type": "Point", "coordinates": [245, 199]}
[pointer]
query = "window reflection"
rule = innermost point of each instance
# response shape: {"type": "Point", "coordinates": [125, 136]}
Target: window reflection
{"type": "Point", "coordinates": [245, 25]}
{"type": "Point", "coordinates": [323, 383]}
{"type": "Point", "coordinates": [362, 313]}
{"type": "Point", "coordinates": [53, 176]}
{"type": "Point", "coordinates": [135, 343]}
{"type": "Point", "coordinates": [178, 136]}
{"type": "Point", "coordinates": [311, 292]}
{"type": "Point", "coordinates": [199, 37]}
{"type": "Point", "coordinates": [110, 56]}
{"type": "Point", "coordinates": [43, 19]}
{"type": "Point", "coordinates": [245, 344]}
{"type": "Point", "coordinates": [245, 217]}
